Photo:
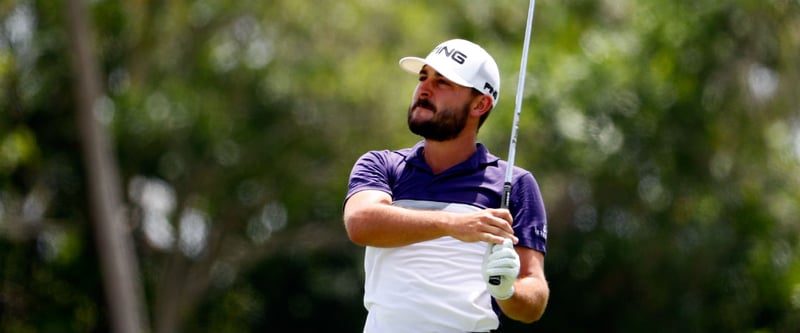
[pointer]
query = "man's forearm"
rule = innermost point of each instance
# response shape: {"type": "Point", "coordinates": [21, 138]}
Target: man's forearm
{"type": "Point", "coordinates": [384, 225]}
{"type": "Point", "coordinates": [371, 219]}
{"type": "Point", "coordinates": [529, 300]}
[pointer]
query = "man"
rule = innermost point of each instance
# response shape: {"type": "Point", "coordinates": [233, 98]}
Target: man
{"type": "Point", "coordinates": [428, 214]}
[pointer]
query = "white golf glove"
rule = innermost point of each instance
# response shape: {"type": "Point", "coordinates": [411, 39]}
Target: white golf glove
{"type": "Point", "coordinates": [501, 260]}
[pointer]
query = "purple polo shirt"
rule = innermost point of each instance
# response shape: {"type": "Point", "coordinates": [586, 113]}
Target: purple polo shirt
{"type": "Point", "coordinates": [478, 181]}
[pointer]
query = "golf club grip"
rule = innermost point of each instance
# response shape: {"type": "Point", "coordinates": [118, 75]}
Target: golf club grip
{"type": "Point", "coordinates": [496, 279]}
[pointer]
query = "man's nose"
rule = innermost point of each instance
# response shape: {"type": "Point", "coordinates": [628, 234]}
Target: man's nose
{"type": "Point", "coordinates": [424, 88]}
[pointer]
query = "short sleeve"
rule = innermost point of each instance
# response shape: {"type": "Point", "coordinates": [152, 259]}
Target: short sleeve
{"type": "Point", "coordinates": [370, 172]}
{"type": "Point", "coordinates": [530, 219]}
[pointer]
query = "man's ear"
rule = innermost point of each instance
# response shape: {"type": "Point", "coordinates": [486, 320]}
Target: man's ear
{"type": "Point", "coordinates": [480, 105]}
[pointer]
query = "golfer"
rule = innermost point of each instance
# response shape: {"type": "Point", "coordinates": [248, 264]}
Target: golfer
{"type": "Point", "coordinates": [429, 217]}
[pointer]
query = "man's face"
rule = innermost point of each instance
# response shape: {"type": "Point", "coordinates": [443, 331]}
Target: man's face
{"type": "Point", "coordinates": [440, 108]}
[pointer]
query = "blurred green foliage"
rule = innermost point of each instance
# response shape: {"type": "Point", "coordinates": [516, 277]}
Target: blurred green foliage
{"type": "Point", "coordinates": [665, 136]}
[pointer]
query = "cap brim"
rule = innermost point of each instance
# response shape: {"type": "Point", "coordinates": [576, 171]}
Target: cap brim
{"type": "Point", "coordinates": [414, 64]}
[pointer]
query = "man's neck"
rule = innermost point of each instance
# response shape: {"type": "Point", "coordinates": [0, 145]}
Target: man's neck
{"type": "Point", "coordinates": [442, 155]}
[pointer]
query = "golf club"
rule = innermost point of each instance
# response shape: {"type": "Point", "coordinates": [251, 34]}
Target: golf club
{"type": "Point", "coordinates": [512, 145]}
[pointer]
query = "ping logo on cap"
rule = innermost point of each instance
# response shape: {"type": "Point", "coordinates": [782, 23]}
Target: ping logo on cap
{"type": "Point", "coordinates": [454, 54]}
{"type": "Point", "coordinates": [488, 87]}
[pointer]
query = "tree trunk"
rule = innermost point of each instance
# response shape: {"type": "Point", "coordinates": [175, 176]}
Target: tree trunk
{"type": "Point", "coordinates": [117, 259]}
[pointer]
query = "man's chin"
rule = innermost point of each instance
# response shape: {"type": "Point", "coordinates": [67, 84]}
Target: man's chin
{"type": "Point", "coordinates": [430, 133]}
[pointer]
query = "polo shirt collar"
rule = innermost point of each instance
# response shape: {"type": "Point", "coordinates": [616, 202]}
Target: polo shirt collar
{"type": "Point", "coordinates": [480, 158]}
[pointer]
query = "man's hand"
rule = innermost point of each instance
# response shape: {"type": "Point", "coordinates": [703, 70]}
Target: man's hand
{"type": "Point", "coordinates": [501, 260]}
{"type": "Point", "coordinates": [488, 225]}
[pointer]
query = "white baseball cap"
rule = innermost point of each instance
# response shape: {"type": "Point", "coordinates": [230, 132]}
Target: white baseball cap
{"type": "Point", "coordinates": [462, 62]}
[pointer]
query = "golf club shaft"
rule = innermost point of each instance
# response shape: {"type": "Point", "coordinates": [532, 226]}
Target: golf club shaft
{"type": "Point", "coordinates": [512, 145]}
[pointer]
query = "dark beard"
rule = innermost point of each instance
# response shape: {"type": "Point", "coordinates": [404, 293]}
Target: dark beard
{"type": "Point", "coordinates": [445, 125]}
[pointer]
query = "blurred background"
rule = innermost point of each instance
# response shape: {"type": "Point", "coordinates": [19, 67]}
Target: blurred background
{"type": "Point", "coordinates": [219, 135]}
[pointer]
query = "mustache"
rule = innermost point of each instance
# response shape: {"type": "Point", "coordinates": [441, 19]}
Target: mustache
{"type": "Point", "coordinates": [425, 103]}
